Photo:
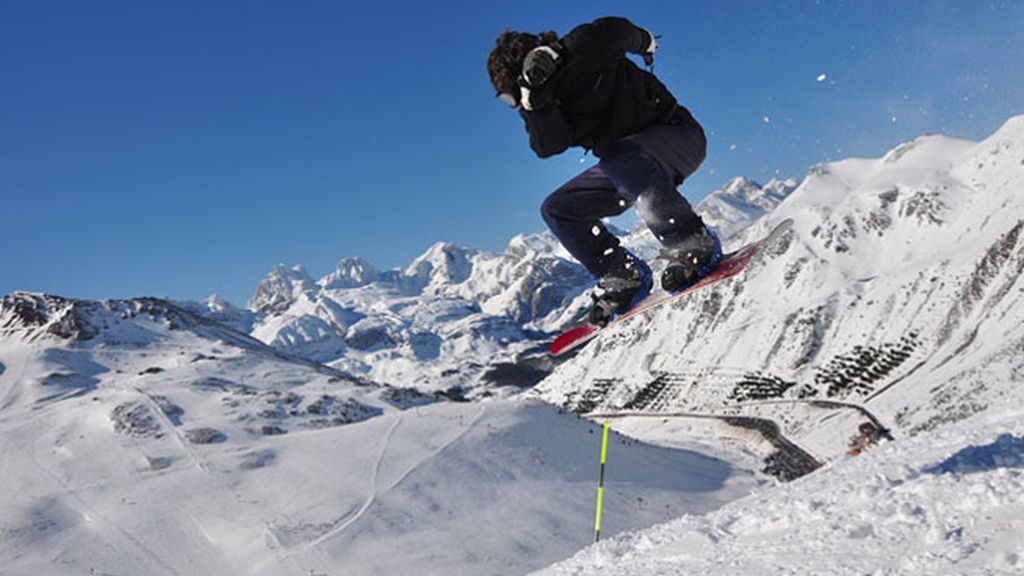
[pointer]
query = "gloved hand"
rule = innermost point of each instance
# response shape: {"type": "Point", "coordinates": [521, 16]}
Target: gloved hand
{"type": "Point", "coordinates": [540, 65]}
{"type": "Point", "coordinates": [535, 98]}
{"type": "Point", "coordinates": [648, 54]}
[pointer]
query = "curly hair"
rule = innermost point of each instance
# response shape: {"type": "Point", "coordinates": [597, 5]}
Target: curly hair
{"type": "Point", "coordinates": [505, 62]}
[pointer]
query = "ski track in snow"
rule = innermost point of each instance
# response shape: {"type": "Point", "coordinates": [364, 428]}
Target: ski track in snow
{"type": "Point", "coordinates": [175, 431]}
{"type": "Point", "coordinates": [375, 488]}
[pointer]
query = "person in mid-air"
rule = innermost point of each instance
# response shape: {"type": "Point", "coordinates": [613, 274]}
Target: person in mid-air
{"type": "Point", "coordinates": [583, 90]}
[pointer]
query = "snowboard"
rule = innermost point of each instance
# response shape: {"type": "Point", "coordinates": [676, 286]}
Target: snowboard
{"type": "Point", "coordinates": [732, 264]}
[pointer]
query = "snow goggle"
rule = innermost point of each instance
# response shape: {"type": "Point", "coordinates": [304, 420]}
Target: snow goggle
{"type": "Point", "coordinates": [509, 99]}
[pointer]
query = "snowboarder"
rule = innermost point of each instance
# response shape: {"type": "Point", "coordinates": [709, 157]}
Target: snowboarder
{"type": "Point", "coordinates": [582, 90]}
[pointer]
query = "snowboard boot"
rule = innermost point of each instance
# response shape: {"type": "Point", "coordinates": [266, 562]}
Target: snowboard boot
{"type": "Point", "coordinates": [689, 261]}
{"type": "Point", "coordinates": [620, 289]}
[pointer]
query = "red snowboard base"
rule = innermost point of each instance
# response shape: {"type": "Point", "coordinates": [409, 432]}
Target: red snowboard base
{"type": "Point", "coordinates": [732, 264]}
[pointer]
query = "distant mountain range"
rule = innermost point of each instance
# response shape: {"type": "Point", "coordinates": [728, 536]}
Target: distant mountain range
{"type": "Point", "coordinates": [455, 317]}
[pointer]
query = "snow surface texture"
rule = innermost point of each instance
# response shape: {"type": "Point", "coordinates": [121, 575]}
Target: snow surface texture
{"type": "Point", "coordinates": [141, 439]}
{"type": "Point", "coordinates": [946, 503]}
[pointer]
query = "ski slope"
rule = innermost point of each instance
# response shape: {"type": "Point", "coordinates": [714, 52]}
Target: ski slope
{"type": "Point", "coordinates": [944, 503]}
{"type": "Point", "coordinates": [151, 451]}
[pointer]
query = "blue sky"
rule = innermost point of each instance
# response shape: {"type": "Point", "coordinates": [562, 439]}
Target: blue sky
{"type": "Point", "coordinates": [183, 148]}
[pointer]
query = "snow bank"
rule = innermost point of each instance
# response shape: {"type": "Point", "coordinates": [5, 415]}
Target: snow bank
{"type": "Point", "coordinates": [945, 503]}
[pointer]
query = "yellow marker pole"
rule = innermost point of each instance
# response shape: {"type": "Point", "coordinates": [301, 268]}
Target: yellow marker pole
{"type": "Point", "coordinates": [600, 483]}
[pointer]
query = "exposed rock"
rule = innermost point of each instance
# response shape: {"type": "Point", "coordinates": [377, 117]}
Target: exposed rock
{"type": "Point", "coordinates": [205, 436]}
{"type": "Point", "coordinates": [136, 419]}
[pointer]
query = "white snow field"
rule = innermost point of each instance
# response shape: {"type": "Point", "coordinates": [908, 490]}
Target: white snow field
{"type": "Point", "coordinates": [155, 450]}
{"type": "Point", "coordinates": [945, 503]}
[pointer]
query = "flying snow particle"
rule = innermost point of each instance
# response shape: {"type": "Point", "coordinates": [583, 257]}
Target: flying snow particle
{"type": "Point", "coordinates": [622, 202]}
{"type": "Point", "coordinates": [596, 231]}
{"type": "Point", "coordinates": [609, 252]}
{"type": "Point", "coordinates": [822, 77]}
{"type": "Point", "coordinates": [732, 147]}
{"type": "Point", "coordinates": [766, 120]}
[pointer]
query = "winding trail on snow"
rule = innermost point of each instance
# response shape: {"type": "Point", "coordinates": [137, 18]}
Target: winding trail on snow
{"type": "Point", "coordinates": [802, 461]}
{"type": "Point", "coordinates": [375, 488]}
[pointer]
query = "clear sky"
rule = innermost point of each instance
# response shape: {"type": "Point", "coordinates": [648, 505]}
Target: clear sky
{"type": "Point", "coordinates": [183, 148]}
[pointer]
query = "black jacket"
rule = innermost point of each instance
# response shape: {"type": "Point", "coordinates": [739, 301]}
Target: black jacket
{"type": "Point", "coordinates": [599, 95]}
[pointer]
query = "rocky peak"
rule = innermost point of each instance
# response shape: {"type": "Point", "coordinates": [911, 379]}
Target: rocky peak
{"type": "Point", "coordinates": [444, 264]}
{"type": "Point", "coordinates": [32, 316]}
{"type": "Point", "coordinates": [350, 273]}
{"type": "Point", "coordinates": [281, 288]}
{"type": "Point", "coordinates": [742, 201]}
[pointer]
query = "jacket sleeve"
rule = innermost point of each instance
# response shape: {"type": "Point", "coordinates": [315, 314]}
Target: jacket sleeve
{"type": "Point", "coordinates": [550, 134]}
{"type": "Point", "coordinates": [621, 35]}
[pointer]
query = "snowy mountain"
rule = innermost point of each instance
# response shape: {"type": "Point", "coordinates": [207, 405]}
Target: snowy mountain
{"type": "Point", "coordinates": [281, 288]}
{"type": "Point", "coordinates": [455, 318]}
{"type": "Point", "coordinates": [898, 293]}
{"type": "Point", "coordinates": [741, 202]}
{"type": "Point", "coordinates": [325, 428]}
{"type": "Point", "coordinates": [140, 438]}
{"type": "Point", "coordinates": [350, 273]}
{"type": "Point", "coordinates": [895, 300]}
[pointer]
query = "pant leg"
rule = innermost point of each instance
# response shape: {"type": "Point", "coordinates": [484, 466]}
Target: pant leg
{"type": "Point", "coordinates": [573, 213]}
{"type": "Point", "coordinates": [646, 168]}
{"type": "Point", "coordinates": [679, 144]}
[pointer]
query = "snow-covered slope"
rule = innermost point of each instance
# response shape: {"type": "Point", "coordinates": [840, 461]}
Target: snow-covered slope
{"type": "Point", "coordinates": [946, 503]}
{"type": "Point", "coordinates": [897, 299]}
{"type": "Point", "coordinates": [140, 438]}
{"type": "Point", "coordinates": [898, 291]}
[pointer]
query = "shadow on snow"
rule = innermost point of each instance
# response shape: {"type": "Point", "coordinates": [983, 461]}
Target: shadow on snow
{"type": "Point", "coordinates": [1007, 451]}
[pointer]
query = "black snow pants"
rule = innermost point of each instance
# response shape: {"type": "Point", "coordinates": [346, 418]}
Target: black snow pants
{"type": "Point", "coordinates": [642, 169]}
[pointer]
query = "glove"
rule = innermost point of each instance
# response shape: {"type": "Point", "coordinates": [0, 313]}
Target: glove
{"type": "Point", "coordinates": [540, 65]}
{"type": "Point", "coordinates": [648, 54]}
{"type": "Point", "coordinates": [653, 47]}
{"type": "Point", "coordinates": [534, 99]}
